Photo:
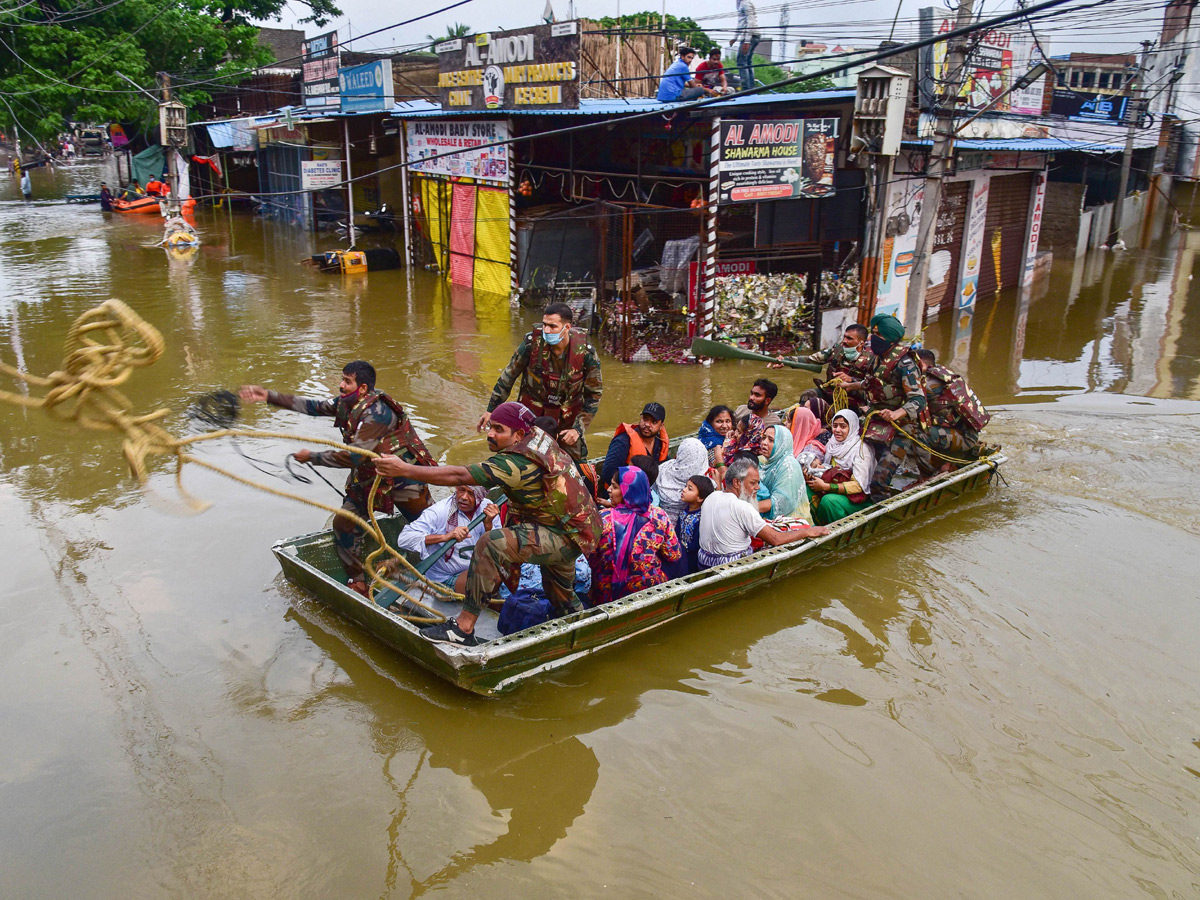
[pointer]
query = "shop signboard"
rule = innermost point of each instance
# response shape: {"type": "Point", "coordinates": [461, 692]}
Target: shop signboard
{"type": "Point", "coordinates": [367, 88]}
{"type": "Point", "coordinates": [1035, 228]}
{"type": "Point", "coordinates": [764, 159]}
{"type": "Point", "coordinates": [431, 144]}
{"type": "Point", "coordinates": [1108, 109]}
{"type": "Point", "coordinates": [320, 174]}
{"type": "Point", "coordinates": [320, 72]}
{"type": "Point", "coordinates": [528, 68]}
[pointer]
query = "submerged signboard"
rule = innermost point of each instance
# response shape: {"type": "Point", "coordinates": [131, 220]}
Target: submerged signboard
{"type": "Point", "coordinates": [776, 159]}
{"type": "Point", "coordinates": [529, 68]}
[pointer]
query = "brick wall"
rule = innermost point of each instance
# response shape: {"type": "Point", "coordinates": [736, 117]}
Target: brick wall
{"type": "Point", "coordinates": [1060, 219]}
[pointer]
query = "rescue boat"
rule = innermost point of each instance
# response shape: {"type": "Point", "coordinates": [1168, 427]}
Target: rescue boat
{"type": "Point", "coordinates": [150, 205]}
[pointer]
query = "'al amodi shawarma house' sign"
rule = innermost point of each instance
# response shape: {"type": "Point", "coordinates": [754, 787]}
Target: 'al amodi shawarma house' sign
{"type": "Point", "coordinates": [529, 68]}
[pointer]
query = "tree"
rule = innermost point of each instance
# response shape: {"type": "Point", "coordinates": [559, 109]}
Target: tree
{"type": "Point", "coordinates": [457, 30]}
{"type": "Point", "coordinates": [59, 60]}
{"type": "Point", "coordinates": [683, 30]}
{"type": "Point", "coordinates": [769, 74]}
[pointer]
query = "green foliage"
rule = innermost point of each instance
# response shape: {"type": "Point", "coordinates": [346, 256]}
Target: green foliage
{"type": "Point", "coordinates": [457, 30]}
{"type": "Point", "coordinates": [59, 59]}
{"type": "Point", "coordinates": [683, 30]}
{"type": "Point", "coordinates": [769, 74]}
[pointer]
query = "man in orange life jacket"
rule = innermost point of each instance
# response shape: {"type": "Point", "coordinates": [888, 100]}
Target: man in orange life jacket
{"type": "Point", "coordinates": [560, 378]}
{"type": "Point", "coordinates": [647, 438]}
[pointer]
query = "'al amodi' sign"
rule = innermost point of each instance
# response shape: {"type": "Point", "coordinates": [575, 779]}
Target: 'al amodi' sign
{"type": "Point", "coordinates": [529, 68]}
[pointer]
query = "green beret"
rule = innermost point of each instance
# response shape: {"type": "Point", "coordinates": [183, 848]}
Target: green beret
{"type": "Point", "coordinates": [890, 328]}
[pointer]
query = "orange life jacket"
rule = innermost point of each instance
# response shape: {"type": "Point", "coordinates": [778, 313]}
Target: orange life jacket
{"type": "Point", "coordinates": [656, 450]}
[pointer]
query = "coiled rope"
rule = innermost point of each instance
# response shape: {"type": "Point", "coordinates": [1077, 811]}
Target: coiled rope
{"type": "Point", "coordinates": [103, 348]}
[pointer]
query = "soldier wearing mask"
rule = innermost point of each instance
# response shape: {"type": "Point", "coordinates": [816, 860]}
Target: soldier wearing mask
{"type": "Point", "coordinates": [851, 356]}
{"type": "Point", "coordinates": [897, 398]}
{"type": "Point", "coordinates": [560, 378]}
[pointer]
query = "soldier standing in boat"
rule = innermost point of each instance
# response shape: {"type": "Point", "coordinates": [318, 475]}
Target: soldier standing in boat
{"type": "Point", "coordinates": [560, 378]}
{"type": "Point", "coordinates": [897, 401]}
{"type": "Point", "coordinates": [956, 415]}
{"type": "Point", "coordinates": [852, 357]}
{"type": "Point", "coordinates": [551, 519]}
{"type": "Point", "coordinates": [369, 420]}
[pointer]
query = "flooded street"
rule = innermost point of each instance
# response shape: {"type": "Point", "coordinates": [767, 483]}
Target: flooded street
{"type": "Point", "coordinates": [1000, 701]}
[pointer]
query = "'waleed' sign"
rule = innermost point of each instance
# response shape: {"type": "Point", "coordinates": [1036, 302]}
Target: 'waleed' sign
{"type": "Point", "coordinates": [527, 68]}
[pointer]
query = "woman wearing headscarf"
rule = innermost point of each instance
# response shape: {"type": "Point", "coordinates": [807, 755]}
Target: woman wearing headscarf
{"type": "Point", "coordinates": [805, 436]}
{"type": "Point", "coordinates": [781, 489]}
{"type": "Point", "coordinates": [850, 464]}
{"type": "Point", "coordinates": [636, 540]}
{"type": "Point", "coordinates": [690, 459]}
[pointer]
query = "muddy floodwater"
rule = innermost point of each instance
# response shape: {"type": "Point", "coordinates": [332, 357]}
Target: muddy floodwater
{"type": "Point", "coordinates": [998, 702]}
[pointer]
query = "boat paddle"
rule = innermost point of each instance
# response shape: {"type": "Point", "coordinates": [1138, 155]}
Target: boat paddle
{"type": "Point", "coordinates": [386, 597]}
{"type": "Point", "coordinates": [721, 350]}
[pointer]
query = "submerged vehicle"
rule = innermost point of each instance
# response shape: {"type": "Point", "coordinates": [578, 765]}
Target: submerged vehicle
{"type": "Point", "coordinates": [500, 662]}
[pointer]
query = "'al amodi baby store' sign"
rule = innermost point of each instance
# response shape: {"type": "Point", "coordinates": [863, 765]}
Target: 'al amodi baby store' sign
{"type": "Point", "coordinates": [527, 68]}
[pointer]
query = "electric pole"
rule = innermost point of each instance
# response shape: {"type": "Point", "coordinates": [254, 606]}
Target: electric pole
{"type": "Point", "coordinates": [169, 140]}
{"type": "Point", "coordinates": [939, 159]}
{"type": "Point", "coordinates": [1133, 112]}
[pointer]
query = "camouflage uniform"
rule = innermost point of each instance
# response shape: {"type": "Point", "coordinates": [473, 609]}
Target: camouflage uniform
{"type": "Point", "coordinates": [378, 423]}
{"type": "Point", "coordinates": [955, 414]}
{"type": "Point", "coordinates": [551, 520]}
{"type": "Point", "coordinates": [895, 384]}
{"type": "Point", "coordinates": [567, 388]}
{"type": "Point", "coordinates": [834, 358]}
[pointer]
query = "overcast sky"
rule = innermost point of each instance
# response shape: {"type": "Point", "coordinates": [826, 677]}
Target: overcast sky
{"type": "Point", "coordinates": [1115, 27]}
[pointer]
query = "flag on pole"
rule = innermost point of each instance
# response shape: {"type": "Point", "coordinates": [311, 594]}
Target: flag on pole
{"type": "Point", "coordinates": [548, 13]}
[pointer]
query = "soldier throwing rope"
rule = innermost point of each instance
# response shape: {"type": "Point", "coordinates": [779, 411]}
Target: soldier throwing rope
{"type": "Point", "coordinates": [370, 420]}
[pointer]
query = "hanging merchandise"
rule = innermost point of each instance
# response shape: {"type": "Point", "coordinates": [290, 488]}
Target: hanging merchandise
{"type": "Point", "coordinates": [758, 305]}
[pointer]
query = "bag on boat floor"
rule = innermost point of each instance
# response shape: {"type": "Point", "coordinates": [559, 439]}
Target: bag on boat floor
{"type": "Point", "coordinates": [523, 609]}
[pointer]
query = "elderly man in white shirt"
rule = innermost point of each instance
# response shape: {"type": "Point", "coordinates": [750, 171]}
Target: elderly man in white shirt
{"type": "Point", "coordinates": [447, 520]}
{"type": "Point", "coordinates": [729, 519]}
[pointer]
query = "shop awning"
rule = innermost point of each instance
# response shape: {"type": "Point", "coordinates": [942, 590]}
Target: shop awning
{"type": "Point", "coordinates": [615, 106]}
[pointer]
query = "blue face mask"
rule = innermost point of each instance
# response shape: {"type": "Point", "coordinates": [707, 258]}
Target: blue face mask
{"type": "Point", "coordinates": [553, 338]}
{"type": "Point", "coordinates": [851, 353]}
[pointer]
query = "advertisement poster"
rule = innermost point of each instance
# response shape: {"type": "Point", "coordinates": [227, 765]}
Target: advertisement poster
{"type": "Point", "coordinates": [776, 160]}
{"type": "Point", "coordinates": [319, 174]}
{"type": "Point", "coordinates": [1107, 109]}
{"type": "Point", "coordinates": [320, 71]}
{"type": "Point", "coordinates": [428, 139]}
{"type": "Point", "coordinates": [973, 251]}
{"type": "Point", "coordinates": [1001, 56]}
{"type": "Point", "coordinates": [525, 68]}
{"type": "Point", "coordinates": [1035, 229]}
{"type": "Point", "coordinates": [905, 199]}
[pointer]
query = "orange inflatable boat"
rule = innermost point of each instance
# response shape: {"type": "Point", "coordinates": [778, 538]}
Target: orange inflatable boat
{"type": "Point", "coordinates": [149, 205]}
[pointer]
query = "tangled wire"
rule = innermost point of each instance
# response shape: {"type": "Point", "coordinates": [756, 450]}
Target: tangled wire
{"type": "Point", "coordinates": [103, 348]}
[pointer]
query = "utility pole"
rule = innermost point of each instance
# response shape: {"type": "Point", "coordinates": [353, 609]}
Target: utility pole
{"type": "Point", "coordinates": [1133, 112]}
{"type": "Point", "coordinates": [939, 159]}
{"type": "Point", "coordinates": [168, 125]}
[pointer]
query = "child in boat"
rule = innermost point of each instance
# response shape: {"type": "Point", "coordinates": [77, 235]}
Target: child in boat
{"type": "Point", "coordinates": [687, 526]}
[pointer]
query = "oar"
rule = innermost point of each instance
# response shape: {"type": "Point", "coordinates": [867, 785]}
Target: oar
{"type": "Point", "coordinates": [387, 596]}
{"type": "Point", "coordinates": [705, 347]}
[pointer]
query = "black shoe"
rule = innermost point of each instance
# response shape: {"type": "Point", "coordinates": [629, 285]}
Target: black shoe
{"type": "Point", "coordinates": [448, 632]}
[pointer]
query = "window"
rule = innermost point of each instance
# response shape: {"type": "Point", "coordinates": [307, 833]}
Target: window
{"type": "Point", "coordinates": [1104, 80]}
{"type": "Point", "coordinates": [1116, 81]}
{"type": "Point", "coordinates": [1089, 80]}
{"type": "Point", "coordinates": [1074, 79]}
{"type": "Point", "coordinates": [1062, 79]}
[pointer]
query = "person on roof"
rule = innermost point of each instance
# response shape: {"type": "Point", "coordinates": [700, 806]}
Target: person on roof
{"type": "Point", "coordinates": [677, 83]}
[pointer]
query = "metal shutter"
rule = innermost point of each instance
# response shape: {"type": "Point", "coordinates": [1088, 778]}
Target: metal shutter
{"type": "Point", "coordinates": [1007, 215]}
{"type": "Point", "coordinates": [948, 237]}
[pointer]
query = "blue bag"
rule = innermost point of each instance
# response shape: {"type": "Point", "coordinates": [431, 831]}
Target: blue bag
{"type": "Point", "coordinates": [523, 609]}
